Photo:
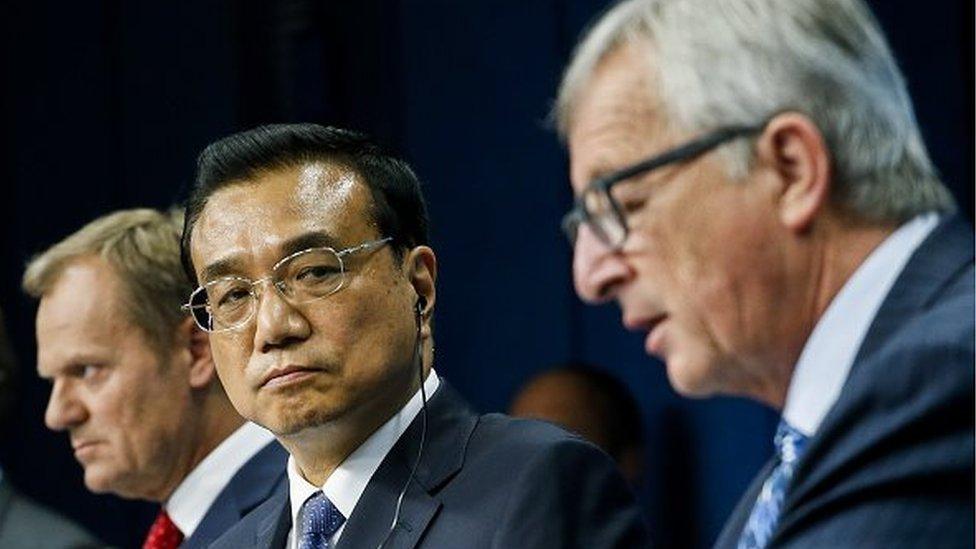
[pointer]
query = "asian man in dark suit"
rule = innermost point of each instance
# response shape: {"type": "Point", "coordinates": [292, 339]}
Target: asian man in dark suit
{"type": "Point", "coordinates": [133, 382]}
{"type": "Point", "coordinates": [317, 285]}
{"type": "Point", "coordinates": [753, 191]}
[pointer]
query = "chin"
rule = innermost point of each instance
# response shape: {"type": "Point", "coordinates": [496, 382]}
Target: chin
{"type": "Point", "coordinates": [691, 378]}
{"type": "Point", "coordinates": [293, 421]}
{"type": "Point", "coordinates": [98, 483]}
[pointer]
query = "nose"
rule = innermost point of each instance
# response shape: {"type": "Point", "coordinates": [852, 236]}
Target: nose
{"type": "Point", "coordinates": [278, 322]}
{"type": "Point", "coordinates": [597, 270]}
{"type": "Point", "coordinates": [64, 410]}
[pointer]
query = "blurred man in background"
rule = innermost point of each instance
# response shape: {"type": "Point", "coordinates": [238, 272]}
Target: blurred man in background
{"type": "Point", "coordinates": [753, 191]}
{"type": "Point", "coordinates": [317, 284]}
{"type": "Point", "coordinates": [591, 403]}
{"type": "Point", "coordinates": [24, 523]}
{"type": "Point", "coordinates": [133, 381]}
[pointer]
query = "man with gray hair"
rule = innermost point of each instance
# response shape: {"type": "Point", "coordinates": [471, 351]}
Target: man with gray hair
{"type": "Point", "coordinates": [753, 191]}
{"type": "Point", "coordinates": [133, 380]}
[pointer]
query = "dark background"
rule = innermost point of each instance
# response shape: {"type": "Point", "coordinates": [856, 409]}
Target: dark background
{"type": "Point", "coordinates": [106, 104]}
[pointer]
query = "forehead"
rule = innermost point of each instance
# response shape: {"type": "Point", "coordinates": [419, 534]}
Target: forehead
{"type": "Point", "coordinates": [617, 119]}
{"type": "Point", "coordinates": [80, 313]}
{"type": "Point", "coordinates": [252, 221]}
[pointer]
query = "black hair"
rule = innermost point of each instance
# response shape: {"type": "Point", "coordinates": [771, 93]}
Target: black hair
{"type": "Point", "coordinates": [398, 209]}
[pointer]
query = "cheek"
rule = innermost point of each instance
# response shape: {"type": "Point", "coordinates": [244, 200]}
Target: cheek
{"type": "Point", "coordinates": [229, 359]}
{"type": "Point", "coordinates": [372, 335]}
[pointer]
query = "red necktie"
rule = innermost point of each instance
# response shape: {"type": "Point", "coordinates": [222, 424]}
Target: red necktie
{"type": "Point", "coordinates": [163, 534]}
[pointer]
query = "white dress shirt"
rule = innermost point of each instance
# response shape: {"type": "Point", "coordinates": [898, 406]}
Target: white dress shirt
{"type": "Point", "coordinates": [829, 353]}
{"type": "Point", "coordinates": [192, 498]}
{"type": "Point", "coordinates": [346, 484]}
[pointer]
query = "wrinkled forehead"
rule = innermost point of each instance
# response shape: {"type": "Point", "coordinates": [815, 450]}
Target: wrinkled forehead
{"type": "Point", "coordinates": [256, 218]}
{"type": "Point", "coordinates": [617, 118]}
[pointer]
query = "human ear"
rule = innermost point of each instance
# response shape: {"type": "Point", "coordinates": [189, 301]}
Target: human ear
{"type": "Point", "coordinates": [795, 152]}
{"type": "Point", "coordinates": [196, 342]}
{"type": "Point", "coordinates": [421, 268]}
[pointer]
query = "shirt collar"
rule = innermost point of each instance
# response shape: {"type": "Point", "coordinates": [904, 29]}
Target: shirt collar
{"type": "Point", "coordinates": [193, 497]}
{"type": "Point", "coordinates": [829, 353]}
{"type": "Point", "coordinates": [346, 484]}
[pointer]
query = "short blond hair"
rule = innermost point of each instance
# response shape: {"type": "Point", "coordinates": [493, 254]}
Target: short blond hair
{"type": "Point", "coordinates": [143, 248]}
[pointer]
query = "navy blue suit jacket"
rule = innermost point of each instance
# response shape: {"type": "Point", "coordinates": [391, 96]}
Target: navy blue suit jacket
{"type": "Point", "coordinates": [260, 478]}
{"type": "Point", "coordinates": [892, 463]}
{"type": "Point", "coordinates": [483, 481]}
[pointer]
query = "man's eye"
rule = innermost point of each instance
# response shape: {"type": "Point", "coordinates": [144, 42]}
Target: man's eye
{"type": "Point", "coordinates": [316, 273]}
{"type": "Point", "coordinates": [233, 297]}
{"type": "Point", "coordinates": [632, 205]}
{"type": "Point", "coordinates": [84, 371]}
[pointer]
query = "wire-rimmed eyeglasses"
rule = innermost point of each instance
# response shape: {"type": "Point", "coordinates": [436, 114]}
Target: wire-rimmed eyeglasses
{"type": "Point", "coordinates": [229, 302]}
{"type": "Point", "coordinates": [597, 207]}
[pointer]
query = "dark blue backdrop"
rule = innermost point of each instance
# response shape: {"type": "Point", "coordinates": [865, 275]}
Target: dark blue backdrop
{"type": "Point", "coordinates": [106, 104]}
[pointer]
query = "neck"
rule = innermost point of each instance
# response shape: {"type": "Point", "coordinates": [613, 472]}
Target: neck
{"type": "Point", "coordinates": [216, 420]}
{"type": "Point", "coordinates": [836, 248]}
{"type": "Point", "coordinates": [319, 450]}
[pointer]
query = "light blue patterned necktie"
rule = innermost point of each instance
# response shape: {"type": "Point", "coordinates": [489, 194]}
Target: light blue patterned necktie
{"type": "Point", "coordinates": [319, 522]}
{"type": "Point", "coordinates": [790, 445]}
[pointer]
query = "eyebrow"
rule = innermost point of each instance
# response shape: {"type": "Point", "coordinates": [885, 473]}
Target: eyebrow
{"type": "Point", "coordinates": [221, 268]}
{"type": "Point", "coordinates": [233, 265]}
{"type": "Point", "coordinates": [311, 239]}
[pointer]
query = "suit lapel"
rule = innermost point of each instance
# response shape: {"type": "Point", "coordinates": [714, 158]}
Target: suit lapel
{"type": "Point", "coordinates": [449, 425]}
{"type": "Point", "coordinates": [255, 482]}
{"type": "Point", "coordinates": [272, 529]}
{"type": "Point", "coordinates": [936, 262]}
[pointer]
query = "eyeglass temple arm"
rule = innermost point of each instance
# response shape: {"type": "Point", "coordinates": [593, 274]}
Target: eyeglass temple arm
{"type": "Point", "coordinates": [364, 246]}
{"type": "Point", "coordinates": [688, 151]}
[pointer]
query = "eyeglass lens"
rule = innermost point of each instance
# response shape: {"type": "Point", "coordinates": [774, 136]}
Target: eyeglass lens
{"type": "Point", "coordinates": [229, 302]}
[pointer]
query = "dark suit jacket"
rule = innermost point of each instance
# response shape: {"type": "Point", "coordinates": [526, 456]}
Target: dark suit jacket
{"type": "Point", "coordinates": [892, 463]}
{"type": "Point", "coordinates": [263, 476]}
{"type": "Point", "coordinates": [483, 481]}
{"type": "Point", "coordinates": [27, 525]}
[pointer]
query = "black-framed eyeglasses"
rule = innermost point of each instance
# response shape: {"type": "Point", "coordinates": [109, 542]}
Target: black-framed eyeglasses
{"type": "Point", "coordinates": [597, 207]}
{"type": "Point", "coordinates": [229, 302]}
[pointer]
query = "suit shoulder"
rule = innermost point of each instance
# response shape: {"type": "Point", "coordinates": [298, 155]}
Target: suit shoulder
{"type": "Point", "coordinates": [550, 488]}
{"type": "Point", "coordinates": [28, 518]}
{"type": "Point", "coordinates": [932, 348]}
{"type": "Point", "coordinates": [527, 437]}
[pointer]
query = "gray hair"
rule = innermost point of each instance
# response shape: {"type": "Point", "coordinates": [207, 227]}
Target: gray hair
{"type": "Point", "coordinates": [731, 62]}
{"type": "Point", "coordinates": [143, 248]}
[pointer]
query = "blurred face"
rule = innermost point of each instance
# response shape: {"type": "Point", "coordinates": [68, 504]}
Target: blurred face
{"type": "Point", "coordinates": [700, 271]}
{"type": "Point", "coordinates": [347, 357]}
{"type": "Point", "coordinates": [564, 400]}
{"type": "Point", "coordinates": [125, 409]}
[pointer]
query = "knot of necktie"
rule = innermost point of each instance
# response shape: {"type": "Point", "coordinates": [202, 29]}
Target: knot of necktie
{"type": "Point", "coordinates": [163, 534]}
{"type": "Point", "coordinates": [320, 520]}
{"type": "Point", "coordinates": [789, 442]}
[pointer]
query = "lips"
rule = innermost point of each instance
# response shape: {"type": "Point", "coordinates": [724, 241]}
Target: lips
{"type": "Point", "coordinates": [277, 377]}
{"type": "Point", "coordinates": [654, 325]}
{"type": "Point", "coordinates": [83, 447]}
{"type": "Point", "coordinates": [643, 323]}
{"type": "Point", "coordinates": [655, 342]}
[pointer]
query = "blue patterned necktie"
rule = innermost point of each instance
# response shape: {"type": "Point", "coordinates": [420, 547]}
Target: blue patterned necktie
{"type": "Point", "coordinates": [790, 444]}
{"type": "Point", "coordinates": [319, 522]}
